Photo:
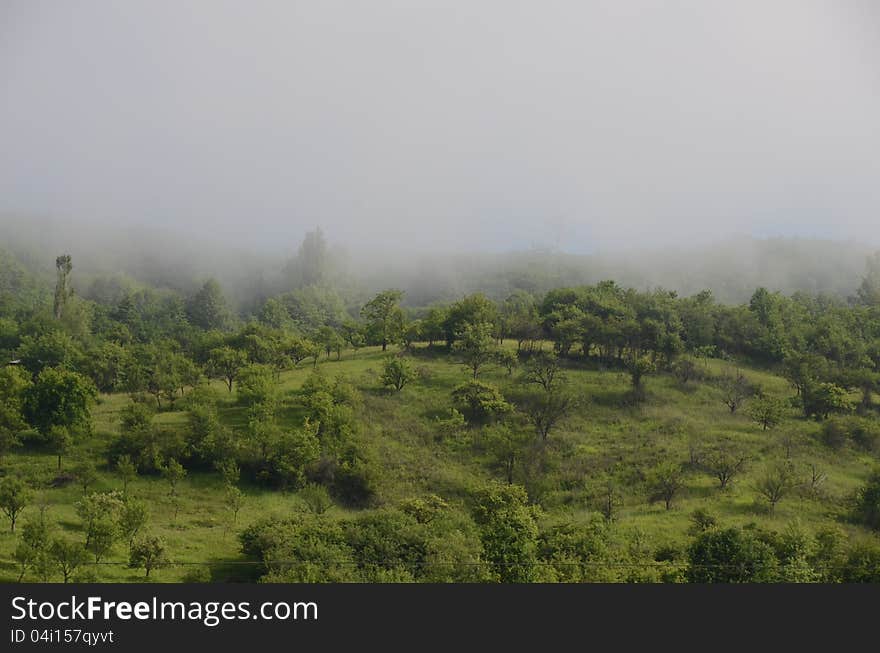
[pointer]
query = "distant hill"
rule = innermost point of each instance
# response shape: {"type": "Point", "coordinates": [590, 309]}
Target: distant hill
{"type": "Point", "coordinates": [731, 268]}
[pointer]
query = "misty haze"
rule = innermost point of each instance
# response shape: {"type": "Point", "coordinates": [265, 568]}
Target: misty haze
{"type": "Point", "coordinates": [417, 291]}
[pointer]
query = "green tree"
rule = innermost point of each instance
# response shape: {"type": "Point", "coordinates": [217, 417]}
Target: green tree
{"type": "Point", "coordinates": [102, 536]}
{"type": "Point", "coordinates": [767, 411]}
{"type": "Point", "coordinates": [59, 398]}
{"type": "Point", "coordinates": [735, 389]}
{"type": "Point", "coordinates": [133, 518]}
{"type": "Point", "coordinates": [226, 363]}
{"type": "Point", "coordinates": [473, 309]}
{"type": "Point", "coordinates": [13, 383]}
{"type": "Point", "coordinates": [149, 553]}
{"type": "Point", "coordinates": [127, 471]}
{"type": "Point", "coordinates": [777, 482]}
{"type": "Point", "coordinates": [86, 474]}
{"type": "Point", "coordinates": [867, 503]}
{"type": "Point", "coordinates": [508, 531]}
{"type": "Point", "coordinates": [384, 316]}
{"type": "Point", "coordinates": [480, 402]}
{"type": "Point", "coordinates": [476, 346]}
{"type": "Point", "coordinates": [207, 309]}
{"type": "Point", "coordinates": [639, 367]}
{"type": "Point", "coordinates": [507, 447]}
{"type": "Point", "coordinates": [14, 497]}
{"type": "Point", "coordinates": [68, 556]}
{"type": "Point", "coordinates": [729, 556]}
{"type": "Point", "coordinates": [665, 482]}
{"type": "Point", "coordinates": [316, 498]}
{"type": "Point", "coordinates": [397, 372]}
{"type": "Point", "coordinates": [725, 463]}
{"type": "Point", "coordinates": [32, 550]}
{"type": "Point", "coordinates": [63, 290]}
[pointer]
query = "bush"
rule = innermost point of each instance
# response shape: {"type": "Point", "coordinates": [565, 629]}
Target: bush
{"type": "Point", "coordinates": [480, 402]}
{"type": "Point", "coordinates": [867, 503]}
{"type": "Point", "coordinates": [860, 432]}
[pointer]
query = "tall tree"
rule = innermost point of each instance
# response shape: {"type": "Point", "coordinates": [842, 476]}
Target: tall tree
{"type": "Point", "coordinates": [63, 291]}
{"type": "Point", "coordinates": [311, 266]}
{"type": "Point", "coordinates": [208, 308]}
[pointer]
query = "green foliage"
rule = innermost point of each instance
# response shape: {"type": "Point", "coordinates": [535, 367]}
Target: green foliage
{"type": "Point", "coordinates": [208, 309]}
{"type": "Point", "coordinates": [867, 503]}
{"type": "Point", "coordinates": [730, 556]}
{"type": "Point", "coordinates": [316, 498]}
{"type": "Point", "coordinates": [384, 317]}
{"type": "Point", "coordinates": [767, 411]}
{"type": "Point", "coordinates": [149, 553]}
{"type": "Point", "coordinates": [68, 556]}
{"type": "Point", "coordinates": [59, 398]}
{"type": "Point", "coordinates": [397, 372]}
{"type": "Point", "coordinates": [475, 346]}
{"type": "Point", "coordinates": [508, 531]}
{"type": "Point", "coordinates": [14, 497]}
{"type": "Point", "coordinates": [665, 482]}
{"type": "Point", "coordinates": [480, 402]}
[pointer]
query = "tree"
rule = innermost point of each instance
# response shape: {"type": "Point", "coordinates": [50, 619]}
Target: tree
{"type": "Point", "coordinates": [507, 446]}
{"type": "Point", "coordinates": [97, 510]}
{"type": "Point", "coordinates": [207, 309]}
{"type": "Point", "coordinates": [59, 398]}
{"type": "Point", "coordinates": [63, 291]}
{"type": "Point", "coordinates": [226, 363]}
{"type": "Point", "coordinates": [68, 556]}
{"type": "Point", "coordinates": [311, 266]}
{"type": "Point", "coordinates": [316, 497]}
{"type": "Point", "coordinates": [61, 440]}
{"type": "Point", "coordinates": [867, 503]}
{"type": "Point", "coordinates": [13, 382]}
{"type": "Point", "coordinates": [546, 409]}
{"type": "Point", "coordinates": [822, 399]}
{"type": "Point", "coordinates": [331, 341]}
{"type": "Point", "coordinates": [384, 316]}
{"type": "Point", "coordinates": [234, 500]}
{"type": "Point", "coordinates": [639, 367]}
{"type": "Point", "coordinates": [102, 535]}
{"type": "Point", "coordinates": [724, 464]}
{"type": "Point", "coordinates": [127, 471]}
{"type": "Point", "coordinates": [14, 497]}
{"type": "Point", "coordinates": [543, 369]}
{"type": "Point", "coordinates": [869, 290]}
{"type": "Point", "coordinates": [257, 387]}
{"type": "Point", "coordinates": [32, 551]}
{"type": "Point", "coordinates": [776, 483]}
{"type": "Point", "coordinates": [767, 411]}
{"type": "Point", "coordinates": [508, 531]}
{"type": "Point", "coordinates": [476, 346]}
{"type": "Point", "coordinates": [396, 373]}
{"type": "Point", "coordinates": [729, 556]}
{"type": "Point", "coordinates": [480, 402]}
{"type": "Point", "coordinates": [173, 472]}
{"type": "Point", "coordinates": [133, 518]}
{"type": "Point", "coordinates": [86, 474]}
{"type": "Point", "coordinates": [473, 309]}
{"type": "Point", "coordinates": [665, 482]}
{"type": "Point", "coordinates": [735, 389]}
{"type": "Point", "coordinates": [149, 553]}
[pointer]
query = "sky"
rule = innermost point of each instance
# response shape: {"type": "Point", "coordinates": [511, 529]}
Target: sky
{"type": "Point", "coordinates": [444, 125]}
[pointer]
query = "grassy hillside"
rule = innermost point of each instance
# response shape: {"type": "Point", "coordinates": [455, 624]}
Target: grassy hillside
{"type": "Point", "coordinates": [399, 434]}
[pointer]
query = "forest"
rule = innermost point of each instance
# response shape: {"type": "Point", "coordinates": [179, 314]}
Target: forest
{"type": "Point", "coordinates": [319, 430]}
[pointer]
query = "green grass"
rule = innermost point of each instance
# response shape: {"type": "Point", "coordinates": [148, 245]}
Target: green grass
{"type": "Point", "coordinates": [399, 434]}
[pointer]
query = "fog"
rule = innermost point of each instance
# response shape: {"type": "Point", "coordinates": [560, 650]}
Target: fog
{"type": "Point", "coordinates": [169, 132]}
